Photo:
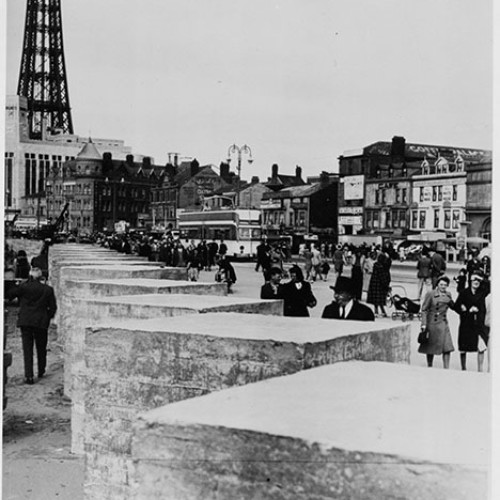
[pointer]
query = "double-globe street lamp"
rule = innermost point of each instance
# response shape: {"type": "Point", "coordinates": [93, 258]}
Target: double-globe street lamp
{"type": "Point", "coordinates": [239, 151]}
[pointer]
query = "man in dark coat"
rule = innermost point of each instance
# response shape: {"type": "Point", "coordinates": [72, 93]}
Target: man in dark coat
{"type": "Point", "coordinates": [438, 266]}
{"type": "Point", "coordinates": [37, 306]}
{"type": "Point", "coordinates": [346, 306]}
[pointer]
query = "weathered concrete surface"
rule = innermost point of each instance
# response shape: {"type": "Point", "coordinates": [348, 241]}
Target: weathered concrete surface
{"type": "Point", "coordinates": [138, 286]}
{"type": "Point", "coordinates": [146, 364]}
{"type": "Point", "coordinates": [352, 430]}
{"type": "Point", "coordinates": [84, 313]}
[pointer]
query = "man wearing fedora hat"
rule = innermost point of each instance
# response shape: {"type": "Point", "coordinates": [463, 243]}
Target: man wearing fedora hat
{"type": "Point", "coordinates": [345, 305]}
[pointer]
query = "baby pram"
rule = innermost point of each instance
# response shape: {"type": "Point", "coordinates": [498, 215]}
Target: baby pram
{"type": "Point", "coordinates": [405, 308]}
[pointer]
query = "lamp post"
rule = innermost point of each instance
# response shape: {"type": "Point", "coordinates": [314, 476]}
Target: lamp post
{"type": "Point", "coordinates": [239, 151]}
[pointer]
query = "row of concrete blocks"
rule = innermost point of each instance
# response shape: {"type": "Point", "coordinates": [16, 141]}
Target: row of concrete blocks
{"type": "Point", "coordinates": [341, 431]}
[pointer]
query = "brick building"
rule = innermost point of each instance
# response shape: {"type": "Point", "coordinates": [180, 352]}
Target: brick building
{"type": "Point", "coordinates": [101, 190]}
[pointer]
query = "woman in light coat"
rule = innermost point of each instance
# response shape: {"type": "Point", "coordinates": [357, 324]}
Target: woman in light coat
{"type": "Point", "coordinates": [434, 308]}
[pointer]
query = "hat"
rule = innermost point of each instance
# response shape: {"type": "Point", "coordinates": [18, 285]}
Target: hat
{"type": "Point", "coordinates": [344, 285]}
{"type": "Point", "coordinates": [478, 275]}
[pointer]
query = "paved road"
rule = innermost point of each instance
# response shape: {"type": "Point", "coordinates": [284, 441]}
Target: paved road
{"type": "Point", "coordinates": [249, 282]}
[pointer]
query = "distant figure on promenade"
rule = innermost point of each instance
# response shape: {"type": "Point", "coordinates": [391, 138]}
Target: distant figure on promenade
{"type": "Point", "coordinates": [461, 280]}
{"type": "Point", "coordinates": [22, 266]}
{"type": "Point", "coordinates": [272, 289]}
{"type": "Point", "coordinates": [346, 305]}
{"type": "Point", "coordinates": [368, 269]}
{"type": "Point", "coordinates": [222, 248]}
{"type": "Point", "coordinates": [434, 308]}
{"type": "Point", "coordinates": [308, 266]}
{"type": "Point", "coordinates": [227, 272]}
{"type": "Point", "coordinates": [213, 249]}
{"type": "Point", "coordinates": [473, 264]}
{"type": "Point", "coordinates": [424, 265]}
{"type": "Point", "coordinates": [37, 306]}
{"type": "Point", "coordinates": [263, 258]}
{"type": "Point", "coordinates": [438, 266]}
{"type": "Point", "coordinates": [297, 294]}
{"type": "Point", "coordinates": [379, 284]}
{"type": "Point", "coordinates": [471, 307]}
{"type": "Point", "coordinates": [338, 261]}
{"type": "Point", "coordinates": [357, 273]}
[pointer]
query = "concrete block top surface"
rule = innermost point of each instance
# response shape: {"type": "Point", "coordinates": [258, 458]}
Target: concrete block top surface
{"type": "Point", "coordinates": [434, 415]}
{"type": "Point", "coordinates": [257, 327]}
{"type": "Point", "coordinates": [113, 267]}
{"type": "Point", "coordinates": [146, 282]}
{"type": "Point", "coordinates": [178, 300]}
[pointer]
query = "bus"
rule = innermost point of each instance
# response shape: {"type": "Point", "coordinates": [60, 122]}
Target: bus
{"type": "Point", "coordinates": [240, 229]}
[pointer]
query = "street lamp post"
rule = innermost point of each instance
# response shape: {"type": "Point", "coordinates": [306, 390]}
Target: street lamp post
{"type": "Point", "coordinates": [239, 151]}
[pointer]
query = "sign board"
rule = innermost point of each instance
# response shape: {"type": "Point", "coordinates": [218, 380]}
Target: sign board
{"type": "Point", "coordinates": [120, 227]}
{"type": "Point", "coordinates": [351, 210]}
{"type": "Point", "coordinates": [351, 220]}
{"type": "Point", "coordinates": [354, 187]}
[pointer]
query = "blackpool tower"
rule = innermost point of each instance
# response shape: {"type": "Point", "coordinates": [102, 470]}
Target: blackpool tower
{"type": "Point", "coordinates": [42, 78]}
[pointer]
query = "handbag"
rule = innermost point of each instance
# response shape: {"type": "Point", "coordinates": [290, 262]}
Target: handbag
{"type": "Point", "coordinates": [423, 336]}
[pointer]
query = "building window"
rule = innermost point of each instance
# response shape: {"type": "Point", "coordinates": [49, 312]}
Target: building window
{"type": "Point", "coordinates": [455, 192]}
{"type": "Point", "coordinates": [402, 218]}
{"type": "Point", "coordinates": [398, 195]}
{"type": "Point", "coordinates": [434, 193]}
{"type": "Point", "coordinates": [404, 195]}
{"type": "Point", "coordinates": [375, 220]}
{"type": "Point", "coordinates": [447, 219]}
{"type": "Point", "coordinates": [377, 197]}
{"type": "Point", "coordinates": [368, 220]}
{"type": "Point", "coordinates": [9, 163]}
{"type": "Point", "coordinates": [414, 216]}
{"type": "Point", "coordinates": [421, 193]}
{"type": "Point", "coordinates": [383, 196]}
{"type": "Point", "coordinates": [456, 219]}
{"type": "Point", "coordinates": [440, 193]}
{"type": "Point", "coordinates": [436, 218]}
{"type": "Point", "coordinates": [388, 220]}
{"type": "Point", "coordinates": [422, 219]}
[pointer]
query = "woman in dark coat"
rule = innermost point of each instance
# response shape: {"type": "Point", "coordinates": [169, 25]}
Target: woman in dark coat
{"type": "Point", "coordinates": [357, 275]}
{"type": "Point", "coordinates": [434, 308]}
{"type": "Point", "coordinates": [297, 294]}
{"type": "Point", "coordinates": [470, 305]}
{"type": "Point", "coordinates": [379, 284]}
{"type": "Point", "coordinates": [22, 265]}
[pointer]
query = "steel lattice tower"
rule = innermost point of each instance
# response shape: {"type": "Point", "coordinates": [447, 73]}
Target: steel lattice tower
{"type": "Point", "coordinates": [42, 78]}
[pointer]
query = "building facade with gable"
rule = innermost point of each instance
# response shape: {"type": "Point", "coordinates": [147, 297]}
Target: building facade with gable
{"type": "Point", "coordinates": [395, 189]}
{"type": "Point", "coordinates": [101, 191]}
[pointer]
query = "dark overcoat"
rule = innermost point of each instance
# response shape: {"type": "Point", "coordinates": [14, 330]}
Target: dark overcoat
{"type": "Point", "coordinates": [379, 285]}
{"type": "Point", "coordinates": [471, 323]}
{"type": "Point", "coordinates": [37, 303]}
{"type": "Point", "coordinates": [358, 312]}
{"type": "Point", "coordinates": [297, 300]}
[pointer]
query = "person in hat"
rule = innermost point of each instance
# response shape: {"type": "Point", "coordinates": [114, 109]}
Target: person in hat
{"type": "Point", "coordinates": [471, 307]}
{"type": "Point", "coordinates": [37, 306]}
{"type": "Point", "coordinates": [345, 305]}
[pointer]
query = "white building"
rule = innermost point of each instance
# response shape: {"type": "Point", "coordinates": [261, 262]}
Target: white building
{"type": "Point", "coordinates": [28, 162]}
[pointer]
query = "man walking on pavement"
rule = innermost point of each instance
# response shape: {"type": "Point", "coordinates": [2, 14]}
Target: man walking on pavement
{"type": "Point", "coordinates": [438, 266]}
{"type": "Point", "coordinates": [37, 306]}
{"type": "Point", "coordinates": [424, 266]}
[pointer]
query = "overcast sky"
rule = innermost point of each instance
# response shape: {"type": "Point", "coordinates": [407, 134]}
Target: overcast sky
{"type": "Point", "coordinates": [299, 81]}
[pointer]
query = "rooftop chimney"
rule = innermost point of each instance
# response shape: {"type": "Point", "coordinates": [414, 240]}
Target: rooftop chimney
{"type": "Point", "coordinates": [146, 162]}
{"type": "Point", "coordinates": [129, 159]}
{"type": "Point", "coordinates": [255, 180]}
{"type": "Point", "coordinates": [274, 171]}
{"type": "Point", "coordinates": [398, 147]}
{"type": "Point", "coordinates": [195, 167]}
{"type": "Point", "coordinates": [224, 170]}
{"type": "Point", "coordinates": [298, 172]}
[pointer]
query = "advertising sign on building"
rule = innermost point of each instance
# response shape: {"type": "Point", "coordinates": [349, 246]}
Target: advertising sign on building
{"type": "Point", "coordinates": [350, 220]}
{"type": "Point", "coordinates": [354, 187]}
{"type": "Point", "coordinates": [427, 193]}
{"type": "Point", "coordinates": [351, 210]}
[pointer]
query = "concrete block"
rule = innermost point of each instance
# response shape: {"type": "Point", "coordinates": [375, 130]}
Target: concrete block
{"type": "Point", "coordinates": [133, 366]}
{"type": "Point", "coordinates": [140, 286]}
{"type": "Point", "coordinates": [81, 313]}
{"type": "Point", "coordinates": [354, 430]}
